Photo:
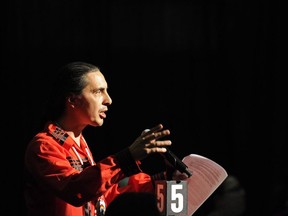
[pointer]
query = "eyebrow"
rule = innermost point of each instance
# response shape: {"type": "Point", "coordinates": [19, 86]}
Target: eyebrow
{"type": "Point", "coordinates": [97, 89]}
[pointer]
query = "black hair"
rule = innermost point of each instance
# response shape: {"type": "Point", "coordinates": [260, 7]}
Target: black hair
{"type": "Point", "coordinates": [69, 79]}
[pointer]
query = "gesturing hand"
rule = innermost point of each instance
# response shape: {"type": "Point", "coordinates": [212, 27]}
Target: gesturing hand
{"type": "Point", "coordinates": [148, 142]}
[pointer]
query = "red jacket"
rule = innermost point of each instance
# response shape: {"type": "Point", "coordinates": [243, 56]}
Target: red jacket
{"type": "Point", "coordinates": [62, 178]}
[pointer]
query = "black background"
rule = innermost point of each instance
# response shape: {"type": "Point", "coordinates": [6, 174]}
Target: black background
{"type": "Point", "coordinates": [213, 72]}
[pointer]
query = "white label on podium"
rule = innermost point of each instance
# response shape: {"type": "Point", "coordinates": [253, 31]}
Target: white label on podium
{"type": "Point", "coordinates": [172, 197]}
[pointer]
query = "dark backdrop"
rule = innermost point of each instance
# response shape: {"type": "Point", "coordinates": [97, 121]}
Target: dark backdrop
{"type": "Point", "coordinates": [211, 71]}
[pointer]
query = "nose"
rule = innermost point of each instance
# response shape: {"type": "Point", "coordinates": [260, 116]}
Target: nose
{"type": "Point", "coordinates": [108, 100]}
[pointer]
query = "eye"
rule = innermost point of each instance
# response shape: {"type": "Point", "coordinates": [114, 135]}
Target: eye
{"type": "Point", "coordinates": [99, 91]}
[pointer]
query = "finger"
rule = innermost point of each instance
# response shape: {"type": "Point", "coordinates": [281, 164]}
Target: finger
{"type": "Point", "coordinates": [145, 132]}
{"type": "Point", "coordinates": [156, 128]}
{"type": "Point", "coordinates": [163, 143]}
{"type": "Point", "coordinates": [161, 134]}
{"type": "Point", "coordinates": [157, 150]}
{"type": "Point", "coordinates": [153, 144]}
{"type": "Point", "coordinates": [152, 130]}
{"type": "Point", "coordinates": [156, 136]}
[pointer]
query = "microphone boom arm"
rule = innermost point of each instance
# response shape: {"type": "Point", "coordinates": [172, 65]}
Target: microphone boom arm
{"type": "Point", "coordinates": [177, 163]}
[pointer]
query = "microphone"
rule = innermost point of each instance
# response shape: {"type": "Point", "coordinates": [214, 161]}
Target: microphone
{"type": "Point", "coordinates": [174, 160]}
{"type": "Point", "coordinates": [177, 163]}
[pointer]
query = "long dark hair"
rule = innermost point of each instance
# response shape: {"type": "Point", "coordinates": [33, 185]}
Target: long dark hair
{"type": "Point", "coordinates": [70, 79]}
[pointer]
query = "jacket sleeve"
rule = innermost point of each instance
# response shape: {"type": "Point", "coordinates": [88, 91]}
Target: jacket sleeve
{"type": "Point", "coordinates": [50, 170]}
{"type": "Point", "coordinates": [140, 182]}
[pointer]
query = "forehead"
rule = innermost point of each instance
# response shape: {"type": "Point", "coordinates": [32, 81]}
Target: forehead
{"type": "Point", "coordinates": [96, 79]}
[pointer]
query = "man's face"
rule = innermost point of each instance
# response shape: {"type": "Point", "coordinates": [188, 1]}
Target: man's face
{"type": "Point", "coordinates": [94, 100]}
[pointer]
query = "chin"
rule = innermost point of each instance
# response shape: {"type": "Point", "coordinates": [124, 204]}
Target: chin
{"type": "Point", "coordinates": [98, 123]}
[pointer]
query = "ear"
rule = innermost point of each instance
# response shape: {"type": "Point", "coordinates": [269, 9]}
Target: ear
{"type": "Point", "coordinates": [72, 100]}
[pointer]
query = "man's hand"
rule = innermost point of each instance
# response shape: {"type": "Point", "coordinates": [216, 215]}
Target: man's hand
{"type": "Point", "coordinates": [148, 142]}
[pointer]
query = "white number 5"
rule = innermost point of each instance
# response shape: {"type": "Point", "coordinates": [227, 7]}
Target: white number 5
{"type": "Point", "coordinates": [177, 198]}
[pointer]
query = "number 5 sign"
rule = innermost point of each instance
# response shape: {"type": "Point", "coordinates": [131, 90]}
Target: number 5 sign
{"type": "Point", "coordinates": [171, 197]}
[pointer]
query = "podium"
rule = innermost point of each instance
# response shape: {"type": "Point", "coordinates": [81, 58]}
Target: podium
{"type": "Point", "coordinates": [172, 197]}
{"type": "Point", "coordinates": [184, 197]}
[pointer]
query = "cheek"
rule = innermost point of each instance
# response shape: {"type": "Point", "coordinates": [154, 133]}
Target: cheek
{"type": "Point", "coordinates": [92, 103]}
{"type": "Point", "coordinates": [87, 101]}
{"type": "Point", "coordinates": [95, 104]}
